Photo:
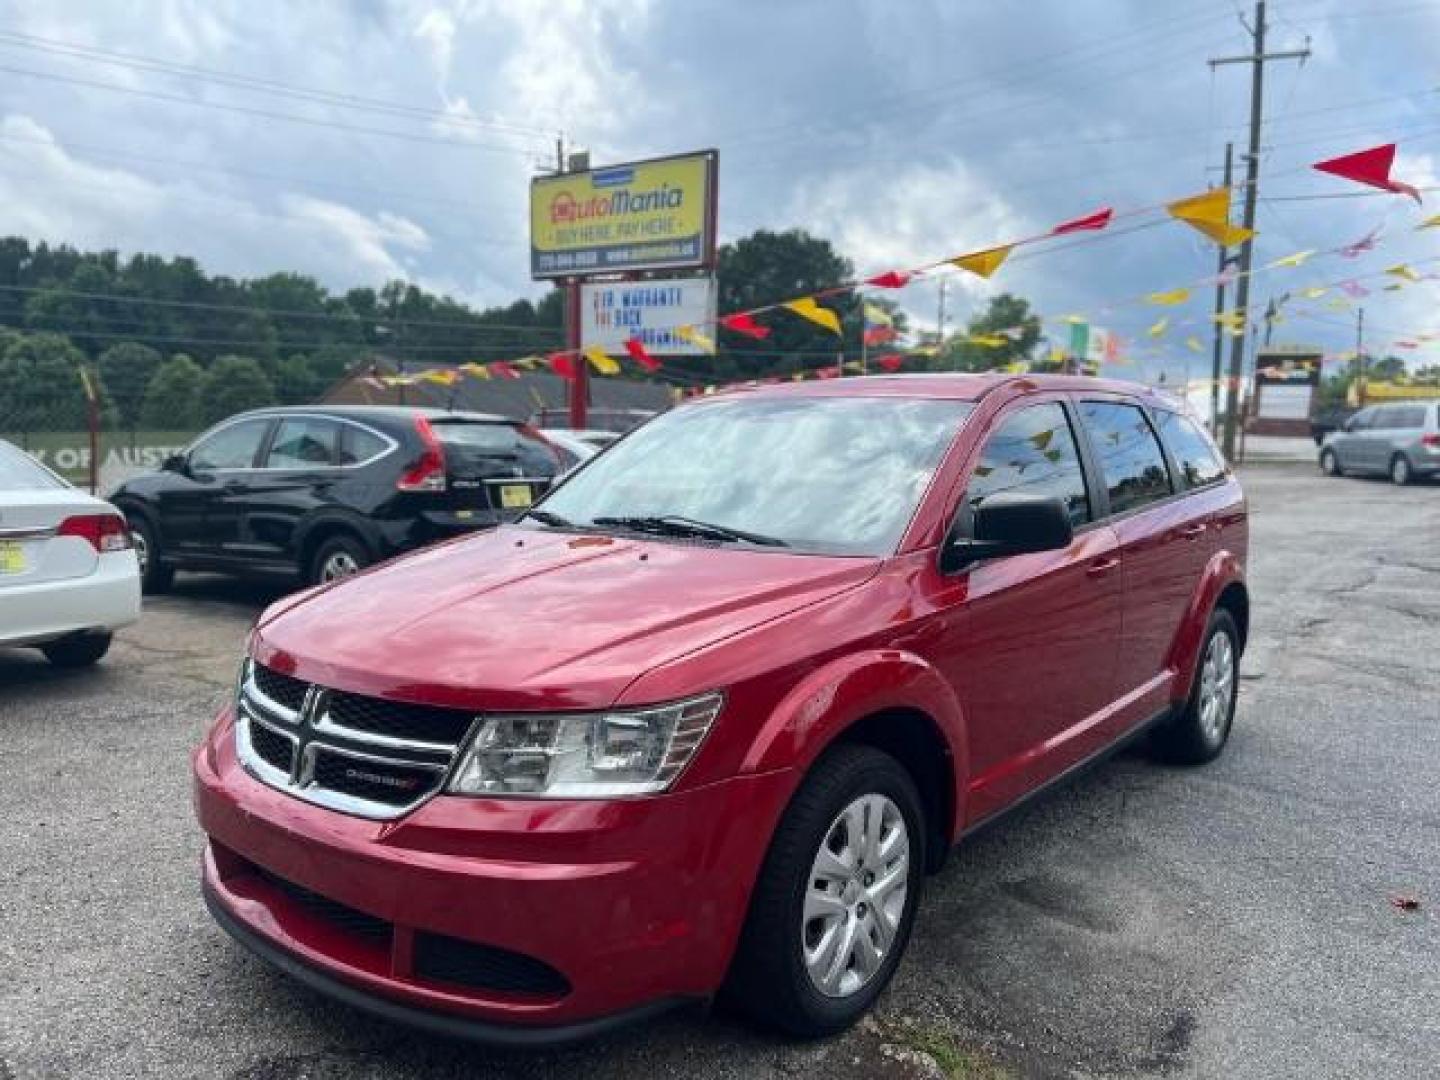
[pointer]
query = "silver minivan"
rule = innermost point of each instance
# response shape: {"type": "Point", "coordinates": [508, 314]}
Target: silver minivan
{"type": "Point", "coordinates": [1400, 440]}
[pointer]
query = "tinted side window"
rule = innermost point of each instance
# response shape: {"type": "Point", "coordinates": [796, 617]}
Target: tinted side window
{"type": "Point", "coordinates": [1131, 464]}
{"type": "Point", "coordinates": [302, 442]}
{"type": "Point", "coordinates": [359, 445]}
{"type": "Point", "coordinates": [1363, 420]}
{"type": "Point", "coordinates": [233, 447]}
{"type": "Point", "coordinates": [1032, 450]}
{"type": "Point", "coordinates": [1410, 416]}
{"type": "Point", "coordinates": [1193, 452]}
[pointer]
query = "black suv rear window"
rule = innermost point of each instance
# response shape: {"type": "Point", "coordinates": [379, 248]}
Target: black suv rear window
{"type": "Point", "coordinates": [473, 440]}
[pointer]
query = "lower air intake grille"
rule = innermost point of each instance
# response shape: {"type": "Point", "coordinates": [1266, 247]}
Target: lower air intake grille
{"type": "Point", "coordinates": [484, 967]}
{"type": "Point", "coordinates": [332, 911]}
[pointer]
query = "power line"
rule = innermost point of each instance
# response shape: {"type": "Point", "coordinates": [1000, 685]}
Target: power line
{"type": "Point", "coordinates": [268, 114]}
{"type": "Point", "coordinates": [73, 50]}
{"type": "Point", "coordinates": [123, 298]}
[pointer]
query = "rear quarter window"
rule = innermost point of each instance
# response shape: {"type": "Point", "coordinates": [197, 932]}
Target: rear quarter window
{"type": "Point", "coordinates": [1200, 463]}
{"type": "Point", "coordinates": [19, 472]}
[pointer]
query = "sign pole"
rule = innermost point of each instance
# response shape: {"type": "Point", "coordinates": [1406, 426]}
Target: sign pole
{"type": "Point", "coordinates": [580, 384]}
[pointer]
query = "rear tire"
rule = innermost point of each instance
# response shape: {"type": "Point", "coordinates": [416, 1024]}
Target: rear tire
{"type": "Point", "coordinates": [155, 576]}
{"type": "Point", "coordinates": [79, 650]}
{"type": "Point", "coordinates": [1330, 464]}
{"type": "Point", "coordinates": [836, 897]}
{"type": "Point", "coordinates": [1199, 732]}
{"type": "Point", "coordinates": [1400, 471]}
{"type": "Point", "coordinates": [336, 558]}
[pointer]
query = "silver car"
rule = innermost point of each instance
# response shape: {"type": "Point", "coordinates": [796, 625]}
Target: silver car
{"type": "Point", "coordinates": [1399, 440]}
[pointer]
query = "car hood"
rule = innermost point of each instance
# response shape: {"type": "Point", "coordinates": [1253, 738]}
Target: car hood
{"type": "Point", "coordinates": [520, 618]}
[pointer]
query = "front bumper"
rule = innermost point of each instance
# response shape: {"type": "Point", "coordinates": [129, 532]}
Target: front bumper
{"type": "Point", "coordinates": [637, 903]}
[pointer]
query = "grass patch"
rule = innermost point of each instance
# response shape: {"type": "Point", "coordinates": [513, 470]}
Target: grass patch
{"type": "Point", "coordinates": [956, 1062]}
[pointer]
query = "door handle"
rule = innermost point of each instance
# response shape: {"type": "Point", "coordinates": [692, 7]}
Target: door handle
{"type": "Point", "coordinates": [1101, 567]}
{"type": "Point", "coordinates": [1193, 532]}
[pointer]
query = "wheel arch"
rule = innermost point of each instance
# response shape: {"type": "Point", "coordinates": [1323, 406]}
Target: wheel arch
{"type": "Point", "coordinates": [1221, 585]}
{"type": "Point", "coordinates": [325, 526]}
{"type": "Point", "coordinates": [891, 700]}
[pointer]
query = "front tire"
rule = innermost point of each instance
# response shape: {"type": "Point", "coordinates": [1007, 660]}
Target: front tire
{"type": "Point", "coordinates": [337, 558]}
{"type": "Point", "coordinates": [1199, 732]}
{"type": "Point", "coordinates": [835, 901]}
{"type": "Point", "coordinates": [1330, 464]}
{"type": "Point", "coordinates": [79, 650]}
{"type": "Point", "coordinates": [155, 576]}
{"type": "Point", "coordinates": [1400, 471]}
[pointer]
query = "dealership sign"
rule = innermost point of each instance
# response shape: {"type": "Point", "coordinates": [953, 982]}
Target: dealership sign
{"type": "Point", "coordinates": [648, 215]}
{"type": "Point", "coordinates": [648, 311]}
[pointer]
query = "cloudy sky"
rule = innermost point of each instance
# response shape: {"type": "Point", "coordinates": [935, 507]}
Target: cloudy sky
{"type": "Point", "coordinates": [370, 140]}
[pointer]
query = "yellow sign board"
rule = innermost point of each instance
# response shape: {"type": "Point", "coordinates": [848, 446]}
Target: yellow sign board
{"type": "Point", "coordinates": [648, 215]}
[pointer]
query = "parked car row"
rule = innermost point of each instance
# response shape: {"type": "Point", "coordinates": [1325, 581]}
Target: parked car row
{"type": "Point", "coordinates": [1398, 440]}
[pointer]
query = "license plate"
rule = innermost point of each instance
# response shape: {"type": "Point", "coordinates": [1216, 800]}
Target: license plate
{"type": "Point", "coordinates": [12, 557]}
{"type": "Point", "coordinates": [515, 496]}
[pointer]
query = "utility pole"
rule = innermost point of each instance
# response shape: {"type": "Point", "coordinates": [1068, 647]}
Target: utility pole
{"type": "Point", "coordinates": [1218, 354]}
{"type": "Point", "coordinates": [1360, 358]}
{"type": "Point", "coordinates": [1256, 60]}
{"type": "Point", "coordinates": [940, 317]}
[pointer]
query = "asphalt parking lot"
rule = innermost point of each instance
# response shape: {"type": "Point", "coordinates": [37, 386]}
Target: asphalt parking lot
{"type": "Point", "coordinates": [1230, 921]}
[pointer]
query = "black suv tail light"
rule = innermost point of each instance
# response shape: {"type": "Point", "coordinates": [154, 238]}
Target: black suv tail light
{"type": "Point", "coordinates": [428, 473]}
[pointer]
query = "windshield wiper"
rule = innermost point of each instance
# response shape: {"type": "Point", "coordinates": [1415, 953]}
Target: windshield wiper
{"type": "Point", "coordinates": [676, 525]}
{"type": "Point", "coordinates": [545, 517]}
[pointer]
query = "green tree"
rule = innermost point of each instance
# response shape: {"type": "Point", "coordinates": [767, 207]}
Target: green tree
{"type": "Point", "coordinates": [1006, 316]}
{"type": "Point", "coordinates": [771, 267]}
{"type": "Point", "coordinates": [40, 388]}
{"type": "Point", "coordinates": [234, 384]}
{"type": "Point", "coordinates": [172, 398]}
{"type": "Point", "coordinates": [296, 381]}
{"type": "Point", "coordinates": [126, 369]}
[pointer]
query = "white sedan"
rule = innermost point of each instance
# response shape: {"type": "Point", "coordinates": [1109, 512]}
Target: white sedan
{"type": "Point", "coordinates": [68, 575]}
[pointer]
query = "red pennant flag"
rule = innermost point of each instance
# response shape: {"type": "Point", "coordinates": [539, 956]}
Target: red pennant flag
{"type": "Point", "coordinates": [743, 323]}
{"type": "Point", "coordinates": [640, 356]}
{"type": "Point", "coordinates": [504, 369]}
{"type": "Point", "coordinates": [890, 361]}
{"type": "Point", "coordinates": [1371, 167]}
{"type": "Point", "coordinates": [1090, 222]}
{"type": "Point", "coordinates": [891, 279]}
{"type": "Point", "coordinates": [562, 364]}
{"type": "Point", "coordinates": [832, 372]}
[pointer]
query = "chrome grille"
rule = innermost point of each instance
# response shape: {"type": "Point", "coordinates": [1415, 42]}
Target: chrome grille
{"type": "Point", "coordinates": [359, 755]}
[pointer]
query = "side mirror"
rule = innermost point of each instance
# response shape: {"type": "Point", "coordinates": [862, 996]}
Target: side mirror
{"type": "Point", "coordinates": [173, 463]}
{"type": "Point", "coordinates": [1010, 523]}
{"type": "Point", "coordinates": [1348, 425]}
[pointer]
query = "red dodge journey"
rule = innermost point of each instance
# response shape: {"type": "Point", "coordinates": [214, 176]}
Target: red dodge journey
{"type": "Point", "coordinates": [703, 720]}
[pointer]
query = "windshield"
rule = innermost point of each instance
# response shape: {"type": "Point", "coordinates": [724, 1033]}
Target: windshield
{"type": "Point", "coordinates": [834, 475]}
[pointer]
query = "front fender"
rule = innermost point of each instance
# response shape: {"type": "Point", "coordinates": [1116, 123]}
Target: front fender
{"type": "Point", "coordinates": [846, 690]}
{"type": "Point", "coordinates": [1223, 570]}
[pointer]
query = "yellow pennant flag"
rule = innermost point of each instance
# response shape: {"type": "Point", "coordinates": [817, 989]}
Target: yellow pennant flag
{"type": "Point", "coordinates": [1210, 214]}
{"type": "Point", "coordinates": [1291, 260]}
{"type": "Point", "coordinates": [695, 337]}
{"type": "Point", "coordinates": [1430, 222]}
{"type": "Point", "coordinates": [926, 350]}
{"type": "Point", "coordinates": [1161, 325]}
{"type": "Point", "coordinates": [1409, 273]}
{"type": "Point", "coordinates": [1168, 299]}
{"type": "Point", "coordinates": [988, 341]}
{"type": "Point", "coordinates": [1017, 367]}
{"type": "Point", "coordinates": [807, 308]}
{"type": "Point", "coordinates": [601, 361]}
{"type": "Point", "coordinates": [529, 363]}
{"type": "Point", "coordinates": [479, 371]}
{"type": "Point", "coordinates": [1074, 320]}
{"type": "Point", "coordinates": [1193, 344]}
{"type": "Point", "coordinates": [1339, 304]}
{"type": "Point", "coordinates": [984, 263]}
{"type": "Point", "coordinates": [443, 378]}
{"type": "Point", "coordinates": [1314, 292]}
{"type": "Point", "coordinates": [1057, 355]}
{"type": "Point", "coordinates": [853, 365]}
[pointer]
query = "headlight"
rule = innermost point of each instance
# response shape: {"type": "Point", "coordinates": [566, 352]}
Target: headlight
{"type": "Point", "coordinates": [585, 755]}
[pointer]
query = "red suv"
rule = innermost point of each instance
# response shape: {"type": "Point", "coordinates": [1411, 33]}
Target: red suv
{"type": "Point", "coordinates": [703, 720]}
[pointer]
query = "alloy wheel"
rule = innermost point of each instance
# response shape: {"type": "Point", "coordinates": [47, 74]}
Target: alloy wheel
{"type": "Point", "coordinates": [1400, 471]}
{"type": "Point", "coordinates": [340, 564]}
{"type": "Point", "coordinates": [1217, 685]}
{"type": "Point", "coordinates": [855, 896]}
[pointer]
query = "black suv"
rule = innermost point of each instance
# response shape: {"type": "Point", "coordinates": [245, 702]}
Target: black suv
{"type": "Point", "coordinates": [326, 490]}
